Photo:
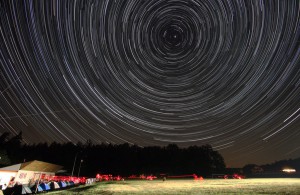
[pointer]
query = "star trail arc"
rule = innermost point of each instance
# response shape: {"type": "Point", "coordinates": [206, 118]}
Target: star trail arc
{"type": "Point", "coordinates": [155, 72]}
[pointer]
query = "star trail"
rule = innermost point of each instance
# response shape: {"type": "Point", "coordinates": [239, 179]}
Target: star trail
{"type": "Point", "coordinates": [154, 72]}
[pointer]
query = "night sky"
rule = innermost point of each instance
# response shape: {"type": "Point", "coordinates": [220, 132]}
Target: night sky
{"type": "Point", "coordinates": [154, 72]}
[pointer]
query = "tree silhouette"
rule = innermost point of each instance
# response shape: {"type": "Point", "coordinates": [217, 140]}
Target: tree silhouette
{"type": "Point", "coordinates": [123, 159]}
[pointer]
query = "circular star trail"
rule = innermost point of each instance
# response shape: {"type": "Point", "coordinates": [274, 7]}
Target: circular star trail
{"type": "Point", "coordinates": [225, 73]}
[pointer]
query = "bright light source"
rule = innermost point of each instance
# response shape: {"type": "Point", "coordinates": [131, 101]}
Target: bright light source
{"type": "Point", "coordinates": [289, 170]}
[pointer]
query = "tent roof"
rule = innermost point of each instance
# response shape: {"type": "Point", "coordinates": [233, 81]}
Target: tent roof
{"type": "Point", "coordinates": [40, 166]}
{"type": "Point", "coordinates": [13, 168]}
{"type": "Point", "coordinates": [33, 166]}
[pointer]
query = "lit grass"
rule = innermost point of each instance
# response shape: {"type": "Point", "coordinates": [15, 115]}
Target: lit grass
{"type": "Point", "coordinates": [207, 186]}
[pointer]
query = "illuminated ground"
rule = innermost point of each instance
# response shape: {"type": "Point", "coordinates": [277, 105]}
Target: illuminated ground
{"type": "Point", "coordinates": [207, 186]}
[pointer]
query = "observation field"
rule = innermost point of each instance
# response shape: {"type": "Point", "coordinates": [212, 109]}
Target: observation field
{"type": "Point", "coordinates": [189, 186]}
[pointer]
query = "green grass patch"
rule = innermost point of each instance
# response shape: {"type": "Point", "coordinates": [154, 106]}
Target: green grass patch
{"type": "Point", "coordinates": [206, 186]}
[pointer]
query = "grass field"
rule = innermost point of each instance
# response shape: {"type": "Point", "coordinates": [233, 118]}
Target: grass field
{"type": "Point", "coordinates": [206, 186]}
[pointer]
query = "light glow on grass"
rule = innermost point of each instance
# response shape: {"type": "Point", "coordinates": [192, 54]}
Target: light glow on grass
{"type": "Point", "coordinates": [190, 186]}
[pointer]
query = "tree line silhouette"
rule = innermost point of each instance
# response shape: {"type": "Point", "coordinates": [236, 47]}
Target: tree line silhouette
{"type": "Point", "coordinates": [123, 159]}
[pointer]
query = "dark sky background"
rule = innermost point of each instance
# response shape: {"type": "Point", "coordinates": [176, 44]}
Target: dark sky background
{"type": "Point", "coordinates": [154, 72]}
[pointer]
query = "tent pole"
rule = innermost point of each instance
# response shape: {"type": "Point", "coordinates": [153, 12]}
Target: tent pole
{"type": "Point", "coordinates": [74, 163]}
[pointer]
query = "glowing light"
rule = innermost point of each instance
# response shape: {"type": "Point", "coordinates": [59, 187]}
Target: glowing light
{"type": "Point", "coordinates": [289, 170]}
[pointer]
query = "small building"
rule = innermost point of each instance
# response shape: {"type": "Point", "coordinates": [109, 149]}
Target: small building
{"type": "Point", "coordinates": [28, 172]}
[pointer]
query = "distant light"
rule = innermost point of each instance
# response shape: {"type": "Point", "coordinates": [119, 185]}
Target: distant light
{"type": "Point", "coordinates": [289, 170]}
